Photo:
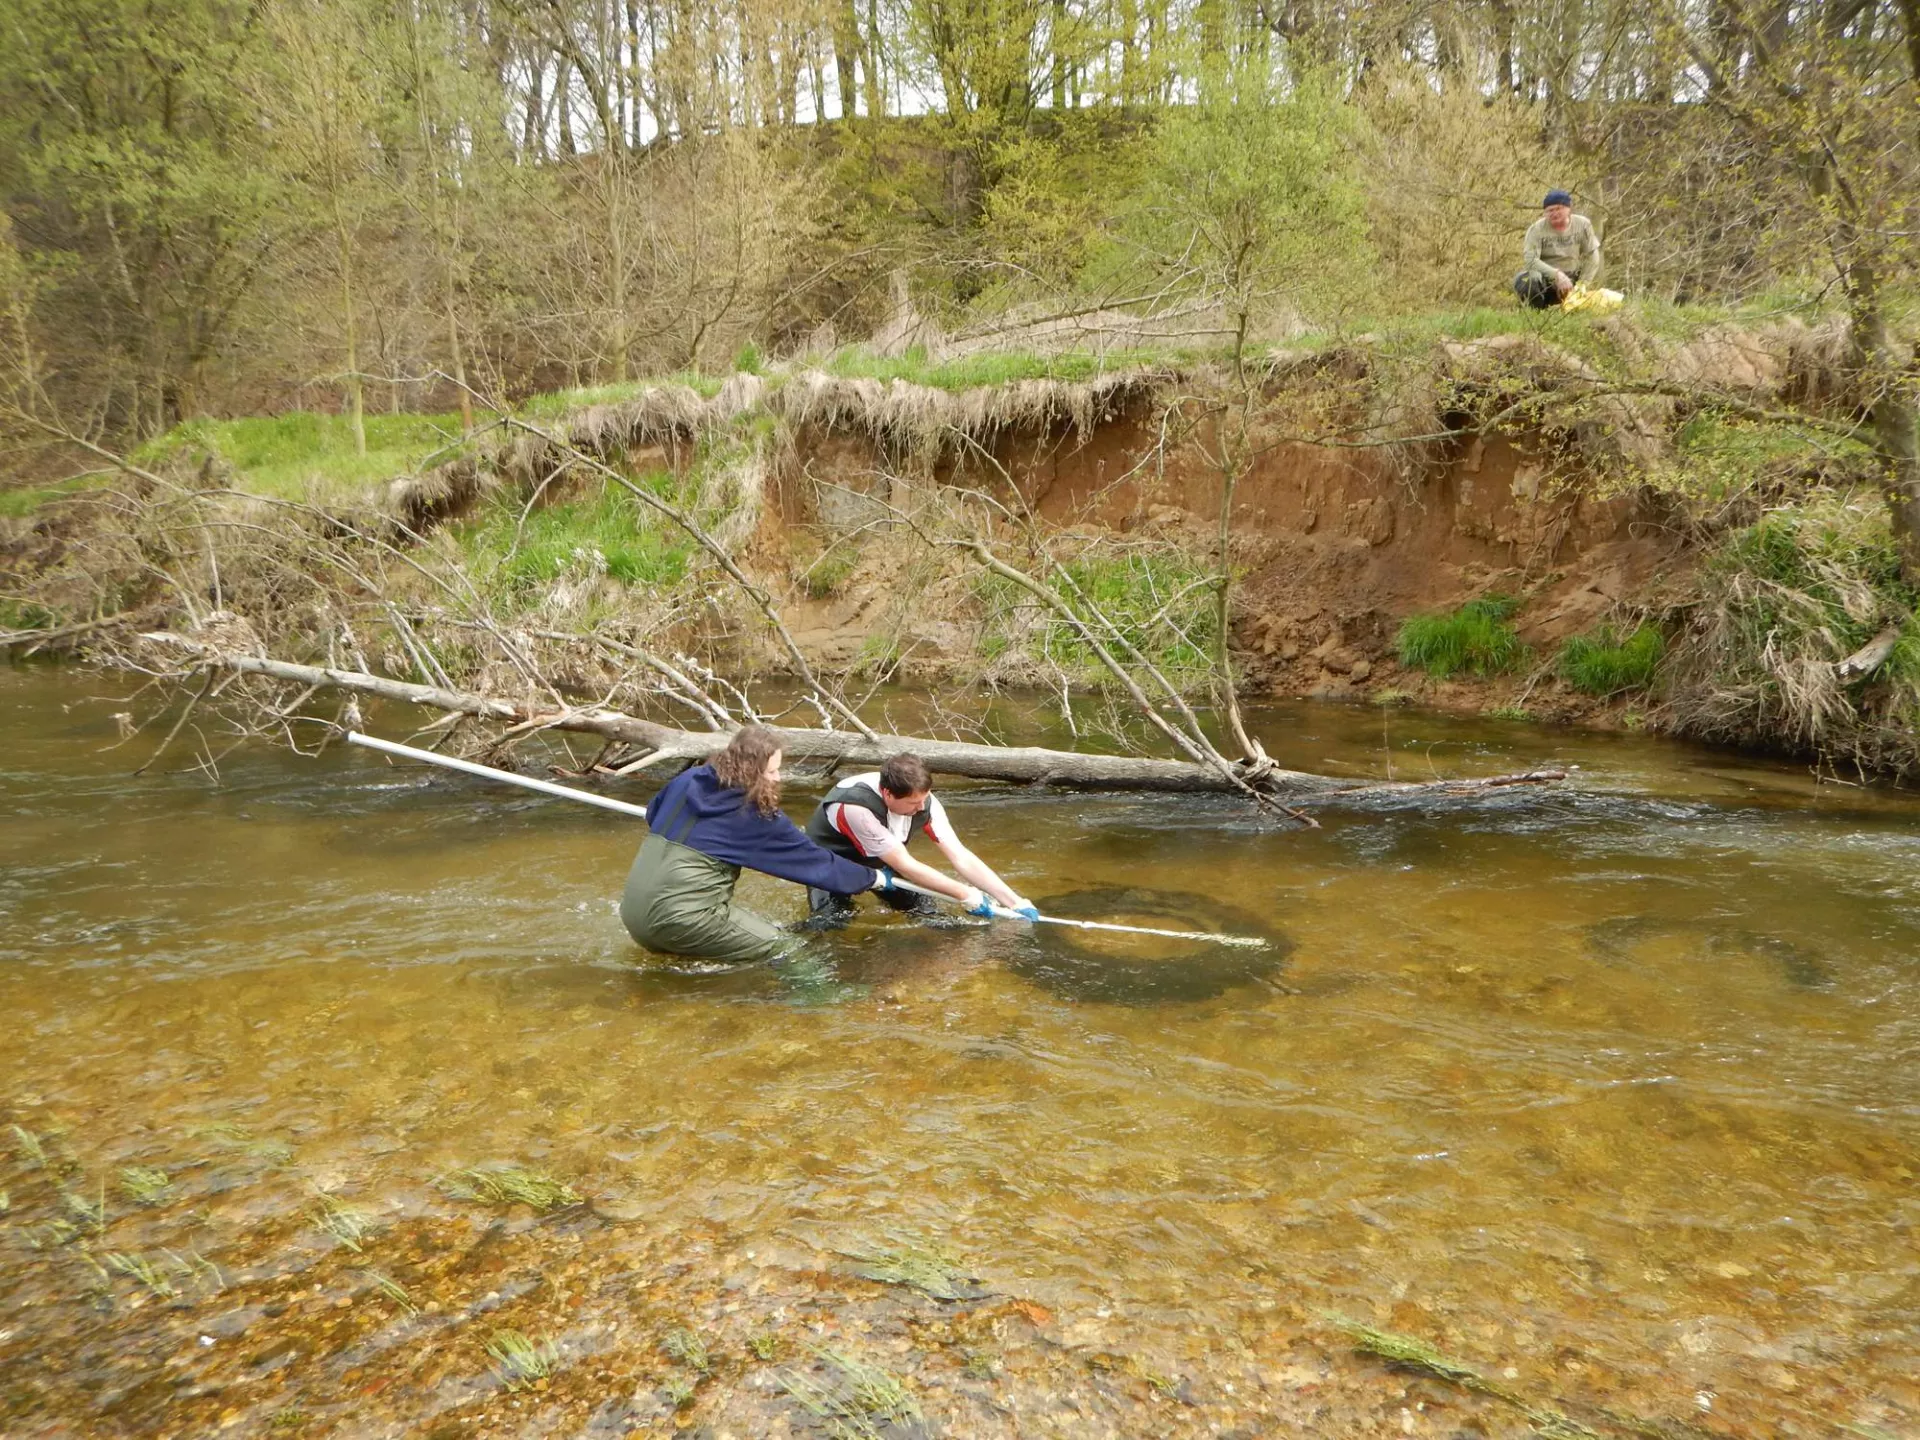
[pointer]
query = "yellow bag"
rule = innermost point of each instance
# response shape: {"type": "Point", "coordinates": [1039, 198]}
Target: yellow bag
{"type": "Point", "coordinates": [1592, 302]}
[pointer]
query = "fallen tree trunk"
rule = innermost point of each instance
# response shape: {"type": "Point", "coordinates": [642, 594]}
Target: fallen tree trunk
{"type": "Point", "coordinates": [666, 745]}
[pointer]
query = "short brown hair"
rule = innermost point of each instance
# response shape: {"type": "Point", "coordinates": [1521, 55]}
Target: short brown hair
{"type": "Point", "coordinates": [905, 775]}
{"type": "Point", "coordinates": [743, 766]}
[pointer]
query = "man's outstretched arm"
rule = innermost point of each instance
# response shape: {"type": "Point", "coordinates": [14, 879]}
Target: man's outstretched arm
{"type": "Point", "coordinates": [907, 868]}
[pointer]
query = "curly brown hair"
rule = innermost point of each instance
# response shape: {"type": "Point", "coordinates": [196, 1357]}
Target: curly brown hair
{"type": "Point", "coordinates": [743, 766]}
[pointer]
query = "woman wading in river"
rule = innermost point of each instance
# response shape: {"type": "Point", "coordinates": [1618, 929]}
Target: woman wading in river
{"type": "Point", "coordinates": [708, 823]}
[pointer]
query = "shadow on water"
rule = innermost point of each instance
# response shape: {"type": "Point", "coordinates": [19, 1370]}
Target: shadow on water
{"type": "Point", "coordinates": [1618, 941]}
{"type": "Point", "coordinates": [1146, 969]}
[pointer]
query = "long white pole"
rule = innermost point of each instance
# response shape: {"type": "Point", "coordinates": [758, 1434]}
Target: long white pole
{"type": "Point", "coordinates": [565, 792]}
{"type": "Point", "coordinates": [505, 777]}
{"type": "Point", "coordinates": [1001, 913]}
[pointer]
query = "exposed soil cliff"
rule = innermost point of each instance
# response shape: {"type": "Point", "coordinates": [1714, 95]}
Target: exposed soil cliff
{"type": "Point", "coordinates": [1335, 546]}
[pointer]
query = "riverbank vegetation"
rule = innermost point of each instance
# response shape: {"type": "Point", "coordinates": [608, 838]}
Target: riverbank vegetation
{"type": "Point", "coordinates": [630, 335]}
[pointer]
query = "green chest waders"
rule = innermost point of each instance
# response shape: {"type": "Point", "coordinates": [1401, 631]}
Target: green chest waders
{"type": "Point", "coordinates": [680, 902]}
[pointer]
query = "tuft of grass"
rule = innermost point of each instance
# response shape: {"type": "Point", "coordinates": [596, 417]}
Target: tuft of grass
{"type": "Point", "coordinates": [853, 1397]}
{"type": "Point", "coordinates": [1475, 639]}
{"type": "Point", "coordinates": [684, 1344]}
{"type": "Point", "coordinates": [510, 1185]}
{"type": "Point", "coordinates": [1508, 712]}
{"type": "Point", "coordinates": [1779, 603]}
{"type": "Point", "coordinates": [1412, 1353]}
{"type": "Point", "coordinates": [765, 1345]}
{"type": "Point", "coordinates": [91, 1213]}
{"type": "Point", "coordinates": [519, 1361]}
{"type": "Point", "coordinates": [145, 1185]}
{"type": "Point", "coordinates": [31, 1148]}
{"type": "Point", "coordinates": [196, 1267]}
{"type": "Point", "coordinates": [1158, 602]}
{"type": "Point", "coordinates": [826, 575]}
{"type": "Point", "coordinates": [349, 1225]}
{"type": "Point", "coordinates": [609, 534]}
{"type": "Point", "coordinates": [143, 1271]}
{"type": "Point", "coordinates": [930, 1271]}
{"type": "Point", "coordinates": [1604, 664]}
{"type": "Point", "coordinates": [229, 1136]}
{"type": "Point", "coordinates": [393, 1290]}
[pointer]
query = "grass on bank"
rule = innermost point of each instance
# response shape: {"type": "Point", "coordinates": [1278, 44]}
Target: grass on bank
{"type": "Point", "coordinates": [1159, 602]}
{"type": "Point", "coordinates": [604, 532]}
{"type": "Point", "coordinates": [967, 372]}
{"type": "Point", "coordinates": [1777, 605]}
{"type": "Point", "coordinates": [304, 456]}
{"type": "Point", "coordinates": [1474, 640]}
{"type": "Point", "coordinates": [1604, 663]}
{"type": "Point", "coordinates": [26, 499]}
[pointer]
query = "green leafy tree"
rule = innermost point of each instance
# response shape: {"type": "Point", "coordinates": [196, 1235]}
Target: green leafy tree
{"type": "Point", "coordinates": [128, 157]}
{"type": "Point", "coordinates": [1251, 210]}
{"type": "Point", "coordinates": [321, 101]}
{"type": "Point", "coordinates": [1822, 99]}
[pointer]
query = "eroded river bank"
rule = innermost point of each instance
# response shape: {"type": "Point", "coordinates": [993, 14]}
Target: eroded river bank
{"type": "Point", "coordinates": [1609, 1093]}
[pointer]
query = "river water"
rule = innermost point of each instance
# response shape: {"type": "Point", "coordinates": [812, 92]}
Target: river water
{"type": "Point", "coordinates": [1610, 1090]}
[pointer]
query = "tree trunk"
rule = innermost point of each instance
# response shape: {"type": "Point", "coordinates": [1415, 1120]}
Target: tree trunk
{"type": "Point", "coordinates": [846, 49]}
{"type": "Point", "coordinates": [1897, 438]}
{"type": "Point", "coordinates": [356, 405]}
{"type": "Point", "coordinates": [667, 745]}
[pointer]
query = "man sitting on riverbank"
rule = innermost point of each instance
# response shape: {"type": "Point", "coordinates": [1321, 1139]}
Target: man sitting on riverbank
{"type": "Point", "coordinates": [1561, 250]}
{"type": "Point", "coordinates": [871, 818]}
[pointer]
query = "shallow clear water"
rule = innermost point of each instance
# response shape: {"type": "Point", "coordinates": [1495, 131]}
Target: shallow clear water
{"type": "Point", "coordinates": [1616, 1084]}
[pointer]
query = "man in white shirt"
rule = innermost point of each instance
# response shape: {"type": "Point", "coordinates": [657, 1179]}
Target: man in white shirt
{"type": "Point", "coordinates": [871, 818]}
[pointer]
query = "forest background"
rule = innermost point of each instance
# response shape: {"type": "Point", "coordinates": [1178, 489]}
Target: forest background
{"type": "Point", "coordinates": [214, 207]}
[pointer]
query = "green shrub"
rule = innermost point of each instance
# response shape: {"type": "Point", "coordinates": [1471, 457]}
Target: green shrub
{"type": "Point", "coordinates": [1475, 639]}
{"type": "Point", "coordinates": [1779, 603]}
{"type": "Point", "coordinates": [1604, 664]}
{"type": "Point", "coordinates": [826, 575]}
{"type": "Point", "coordinates": [1159, 602]}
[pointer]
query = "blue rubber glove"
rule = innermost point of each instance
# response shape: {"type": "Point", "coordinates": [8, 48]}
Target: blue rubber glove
{"type": "Point", "coordinates": [1026, 910]}
{"type": "Point", "coordinates": [885, 879]}
{"type": "Point", "coordinates": [983, 906]}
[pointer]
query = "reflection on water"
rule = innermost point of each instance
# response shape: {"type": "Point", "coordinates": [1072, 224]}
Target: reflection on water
{"type": "Point", "coordinates": [1616, 1085]}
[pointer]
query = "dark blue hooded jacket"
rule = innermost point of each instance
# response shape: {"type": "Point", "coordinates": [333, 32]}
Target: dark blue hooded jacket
{"type": "Point", "coordinates": [694, 809]}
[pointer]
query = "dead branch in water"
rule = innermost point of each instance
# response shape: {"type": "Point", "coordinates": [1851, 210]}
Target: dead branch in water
{"type": "Point", "coordinates": [667, 745]}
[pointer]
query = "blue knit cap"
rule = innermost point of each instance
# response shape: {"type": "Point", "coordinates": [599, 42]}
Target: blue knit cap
{"type": "Point", "coordinates": [1556, 197]}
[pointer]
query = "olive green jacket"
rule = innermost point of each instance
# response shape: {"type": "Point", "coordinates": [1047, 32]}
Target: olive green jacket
{"type": "Point", "coordinates": [1573, 252]}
